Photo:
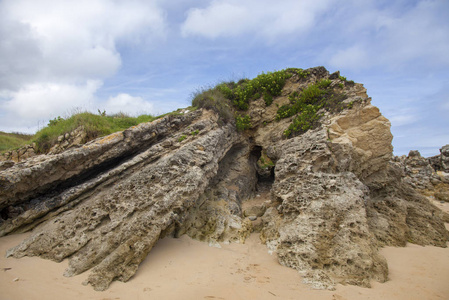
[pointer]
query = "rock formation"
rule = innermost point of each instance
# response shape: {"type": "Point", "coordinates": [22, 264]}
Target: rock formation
{"type": "Point", "coordinates": [441, 162]}
{"type": "Point", "coordinates": [64, 142]}
{"type": "Point", "coordinates": [329, 196]}
{"type": "Point", "coordinates": [428, 176]}
{"type": "Point", "coordinates": [19, 154]}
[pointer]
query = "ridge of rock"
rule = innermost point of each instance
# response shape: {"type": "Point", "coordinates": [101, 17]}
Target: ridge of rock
{"type": "Point", "coordinates": [324, 200]}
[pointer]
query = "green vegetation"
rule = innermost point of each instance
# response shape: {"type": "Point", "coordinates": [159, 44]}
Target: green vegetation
{"type": "Point", "coordinates": [266, 85]}
{"type": "Point", "coordinates": [94, 126]}
{"type": "Point", "coordinates": [227, 97]}
{"type": "Point", "coordinates": [306, 105]}
{"type": "Point", "coordinates": [231, 96]}
{"type": "Point", "coordinates": [243, 122]}
{"type": "Point", "coordinates": [300, 72]}
{"type": "Point", "coordinates": [214, 99]}
{"type": "Point", "coordinates": [10, 141]}
{"type": "Point", "coordinates": [181, 138]}
{"type": "Point", "coordinates": [264, 161]}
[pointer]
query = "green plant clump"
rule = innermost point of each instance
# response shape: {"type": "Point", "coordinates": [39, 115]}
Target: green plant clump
{"type": "Point", "coordinates": [243, 122]}
{"type": "Point", "coordinates": [305, 119]}
{"type": "Point", "coordinates": [305, 106]}
{"type": "Point", "coordinates": [181, 138]}
{"type": "Point", "coordinates": [266, 85]}
{"type": "Point", "coordinates": [223, 97]}
{"type": "Point", "coordinates": [300, 72]}
{"type": "Point", "coordinates": [264, 161]}
{"type": "Point", "coordinates": [216, 100]}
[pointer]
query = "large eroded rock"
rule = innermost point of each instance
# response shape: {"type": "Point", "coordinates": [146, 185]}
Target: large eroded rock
{"type": "Point", "coordinates": [331, 199]}
{"type": "Point", "coordinates": [114, 226]}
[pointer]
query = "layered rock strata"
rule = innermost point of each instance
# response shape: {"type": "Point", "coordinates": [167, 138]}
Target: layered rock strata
{"type": "Point", "coordinates": [331, 196]}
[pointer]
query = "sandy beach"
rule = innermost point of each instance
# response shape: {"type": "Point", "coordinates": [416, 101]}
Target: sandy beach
{"type": "Point", "coordinates": [188, 269]}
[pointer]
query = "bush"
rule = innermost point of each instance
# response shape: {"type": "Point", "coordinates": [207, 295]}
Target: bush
{"type": "Point", "coordinates": [55, 121]}
{"type": "Point", "coordinates": [269, 85]}
{"type": "Point", "coordinates": [300, 72]}
{"type": "Point", "coordinates": [215, 100]}
{"type": "Point", "coordinates": [243, 122]}
{"type": "Point", "coordinates": [305, 106]}
{"type": "Point", "coordinates": [304, 121]}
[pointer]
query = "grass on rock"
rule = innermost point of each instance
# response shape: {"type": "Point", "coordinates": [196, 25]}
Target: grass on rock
{"type": "Point", "coordinates": [229, 100]}
{"type": "Point", "coordinates": [10, 141]}
{"type": "Point", "coordinates": [94, 126]}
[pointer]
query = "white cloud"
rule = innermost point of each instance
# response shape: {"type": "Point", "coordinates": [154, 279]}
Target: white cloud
{"type": "Point", "coordinates": [34, 104]}
{"type": "Point", "coordinates": [127, 104]}
{"type": "Point", "coordinates": [39, 102]}
{"type": "Point", "coordinates": [65, 40]}
{"type": "Point", "coordinates": [419, 33]}
{"type": "Point", "coordinates": [54, 55]}
{"type": "Point", "coordinates": [403, 119]}
{"type": "Point", "coordinates": [409, 35]}
{"type": "Point", "coordinates": [263, 18]}
{"type": "Point", "coordinates": [353, 58]}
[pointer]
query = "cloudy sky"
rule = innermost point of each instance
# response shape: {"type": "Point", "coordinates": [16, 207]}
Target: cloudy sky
{"type": "Point", "coordinates": [149, 56]}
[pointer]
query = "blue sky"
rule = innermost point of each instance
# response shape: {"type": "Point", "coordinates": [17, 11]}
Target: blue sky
{"type": "Point", "coordinates": [143, 56]}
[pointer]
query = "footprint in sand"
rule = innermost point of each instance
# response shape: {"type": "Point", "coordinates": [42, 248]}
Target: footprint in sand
{"type": "Point", "coordinates": [263, 280]}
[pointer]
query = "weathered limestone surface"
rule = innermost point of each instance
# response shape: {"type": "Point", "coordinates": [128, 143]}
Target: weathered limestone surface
{"type": "Point", "coordinates": [441, 162]}
{"type": "Point", "coordinates": [22, 181]}
{"type": "Point", "coordinates": [334, 195]}
{"type": "Point", "coordinates": [64, 142]}
{"type": "Point", "coordinates": [428, 176]}
{"type": "Point", "coordinates": [217, 215]}
{"type": "Point", "coordinates": [122, 219]}
{"type": "Point", "coordinates": [321, 227]}
{"type": "Point", "coordinates": [17, 155]}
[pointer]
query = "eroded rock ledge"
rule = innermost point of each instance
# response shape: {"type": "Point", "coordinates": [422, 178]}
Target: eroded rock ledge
{"type": "Point", "coordinates": [324, 200]}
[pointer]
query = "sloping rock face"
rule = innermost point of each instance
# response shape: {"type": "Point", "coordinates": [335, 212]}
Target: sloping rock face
{"type": "Point", "coordinates": [112, 220]}
{"type": "Point", "coordinates": [334, 195]}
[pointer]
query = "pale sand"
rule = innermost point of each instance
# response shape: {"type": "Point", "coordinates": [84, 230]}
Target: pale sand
{"type": "Point", "coordinates": [187, 269]}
